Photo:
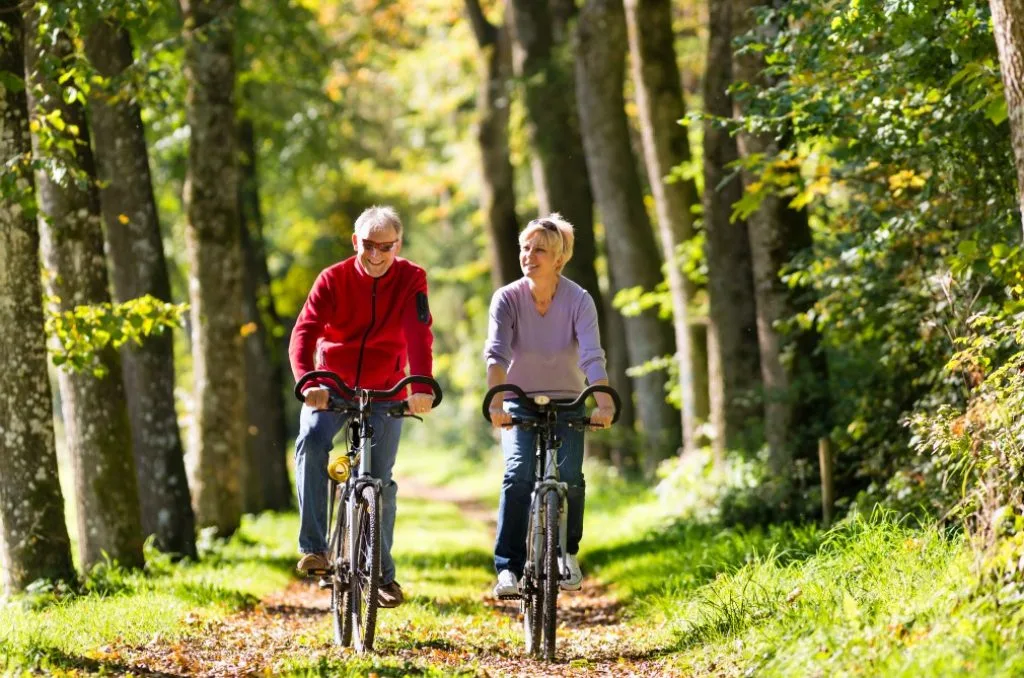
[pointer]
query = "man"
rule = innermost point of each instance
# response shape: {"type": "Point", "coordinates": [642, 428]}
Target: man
{"type": "Point", "coordinates": [364, 319]}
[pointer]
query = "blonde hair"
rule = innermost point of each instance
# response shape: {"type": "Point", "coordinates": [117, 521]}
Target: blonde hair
{"type": "Point", "coordinates": [554, 233]}
{"type": "Point", "coordinates": [377, 218]}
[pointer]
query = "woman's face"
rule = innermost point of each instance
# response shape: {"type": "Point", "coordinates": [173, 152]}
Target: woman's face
{"type": "Point", "coordinates": [537, 260]}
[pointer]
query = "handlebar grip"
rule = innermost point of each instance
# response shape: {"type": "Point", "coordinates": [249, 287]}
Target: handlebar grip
{"type": "Point", "coordinates": [321, 374]}
{"type": "Point", "coordinates": [500, 388]}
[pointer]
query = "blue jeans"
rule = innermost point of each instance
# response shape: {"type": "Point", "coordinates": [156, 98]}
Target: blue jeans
{"type": "Point", "coordinates": [517, 444]}
{"type": "Point", "coordinates": [317, 429]}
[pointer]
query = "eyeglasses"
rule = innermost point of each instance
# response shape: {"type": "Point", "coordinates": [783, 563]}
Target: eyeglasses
{"type": "Point", "coordinates": [370, 245]}
{"type": "Point", "coordinates": [546, 224]}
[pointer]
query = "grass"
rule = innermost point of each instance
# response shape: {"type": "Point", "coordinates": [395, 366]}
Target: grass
{"type": "Point", "coordinates": [873, 596]}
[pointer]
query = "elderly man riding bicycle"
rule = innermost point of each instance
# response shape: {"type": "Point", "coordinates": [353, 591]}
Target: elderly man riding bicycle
{"type": "Point", "coordinates": [364, 319]}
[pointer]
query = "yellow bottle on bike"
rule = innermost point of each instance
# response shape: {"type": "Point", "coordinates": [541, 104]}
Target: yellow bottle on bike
{"type": "Point", "coordinates": [338, 467]}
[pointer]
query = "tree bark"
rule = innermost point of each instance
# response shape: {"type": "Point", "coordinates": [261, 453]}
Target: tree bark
{"type": "Point", "coordinates": [792, 366]}
{"type": "Point", "coordinates": [94, 409]}
{"type": "Point", "coordinates": [542, 63]}
{"type": "Point", "coordinates": [1008, 25]}
{"type": "Point", "coordinates": [498, 198]}
{"type": "Point", "coordinates": [34, 541]}
{"type": "Point", "coordinates": [557, 163]}
{"type": "Point", "coordinates": [734, 355]}
{"type": "Point", "coordinates": [632, 251]}
{"type": "Point", "coordinates": [138, 267]}
{"type": "Point", "coordinates": [214, 251]}
{"type": "Point", "coordinates": [659, 98]}
{"type": "Point", "coordinates": [266, 486]}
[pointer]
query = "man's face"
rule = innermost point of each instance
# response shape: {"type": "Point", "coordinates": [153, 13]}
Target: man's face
{"type": "Point", "coordinates": [370, 248]}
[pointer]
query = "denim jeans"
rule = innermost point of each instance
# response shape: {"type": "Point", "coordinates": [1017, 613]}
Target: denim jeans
{"type": "Point", "coordinates": [317, 429]}
{"type": "Point", "coordinates": [517, 444]}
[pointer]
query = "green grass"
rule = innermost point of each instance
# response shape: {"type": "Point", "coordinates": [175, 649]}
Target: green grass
{"type": "Point", "coordinates": [873, 596]}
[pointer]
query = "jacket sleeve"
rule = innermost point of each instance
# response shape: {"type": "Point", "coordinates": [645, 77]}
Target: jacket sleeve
{"type": "Point", "coordinates": [419, 339]}
{"type": "Point", "coordinates": [309, 326]}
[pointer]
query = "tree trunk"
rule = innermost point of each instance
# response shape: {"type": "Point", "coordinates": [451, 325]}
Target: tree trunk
{"type": "Point", "coordinates": [792, 366]}
{"type": "Point", "coordinates": [734, 356]}
{"type": "Point", "coordinates": [659, 98]}
{"type": "Point", "coordinates": [214, 250]}
{"type": "Point", "coordinates": [498, 198]}
{"type": "Point", "coordinates": [34, 541]}
{"type": "Point", "coordinates": [266, 485]}
{"type": "Point", "coordinates": [632, 251]}
{"type": "Point", "coordinates": [1008, 24]}
{"type": "Point", "coordinates": [138, 268]}
{"type": "Point", "coordinates": [542, 63]}
{"type": "Point", "coordinates": [557, 162]}
{"type": "Point", "coordinates": [94, 409]}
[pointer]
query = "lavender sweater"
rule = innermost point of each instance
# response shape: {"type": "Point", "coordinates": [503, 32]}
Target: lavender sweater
{"type": "Point", "coordinates": [549, 354]}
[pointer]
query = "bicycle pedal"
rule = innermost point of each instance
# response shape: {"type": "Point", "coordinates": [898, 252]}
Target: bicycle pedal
{"type": "Point", "coordinates": [510, 596]}
{"type": "Point", "coordinates": [318, 573]}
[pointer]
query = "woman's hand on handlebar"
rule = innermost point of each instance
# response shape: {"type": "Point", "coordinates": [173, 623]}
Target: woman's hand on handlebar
{"type": "Point", "coordinates": [421, 403]}
{"type": "Point", "coordinates": [499, 417]}
{"type": "Point", "coordinates": [601, 417]}
{"type": "Point", "coordinates": [317, 398]}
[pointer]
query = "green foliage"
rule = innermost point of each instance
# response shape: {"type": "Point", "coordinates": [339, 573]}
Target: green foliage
{"type": "Point", "coordinates": [82, 334]}
{"type": "Point", "coordinates": [901, 152]}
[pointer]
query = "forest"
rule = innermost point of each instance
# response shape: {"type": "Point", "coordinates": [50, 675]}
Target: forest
{"type": "Point", "coordinates": [800, 222]}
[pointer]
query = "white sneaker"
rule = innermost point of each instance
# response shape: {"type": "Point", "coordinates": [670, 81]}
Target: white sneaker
{"type": "Point", "coordinates": [507, 586]}
{"type": "Point", "coordinates": [573, 579]}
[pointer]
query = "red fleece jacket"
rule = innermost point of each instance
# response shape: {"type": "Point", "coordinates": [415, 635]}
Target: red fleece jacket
{"type": "Point", "coordinates": [365, 329]}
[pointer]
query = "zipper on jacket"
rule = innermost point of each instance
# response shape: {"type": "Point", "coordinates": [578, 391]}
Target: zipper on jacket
{"type": "Point", "coordinates": [366, 335]}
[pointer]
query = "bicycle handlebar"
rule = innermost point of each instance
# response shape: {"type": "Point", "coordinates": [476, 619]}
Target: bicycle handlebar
{"type": "Point", "coordinates": [345, 389]}
{"type": "Point", "coordinates": [530, 404]}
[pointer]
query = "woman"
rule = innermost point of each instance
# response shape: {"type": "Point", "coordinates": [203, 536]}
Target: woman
{"type": "Point", "coordinates": [542, 336]}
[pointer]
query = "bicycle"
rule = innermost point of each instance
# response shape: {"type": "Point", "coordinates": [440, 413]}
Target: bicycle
{"type": "Point", "coordinates": [354, 542]}
{"type": "Point", "coordinates": [546, 532]}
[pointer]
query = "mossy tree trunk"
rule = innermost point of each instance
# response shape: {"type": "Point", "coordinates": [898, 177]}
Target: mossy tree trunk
{"type": "Point", "coordinates": [34, 541]}
{"type": "Point", "coordinates": [138, 267]}
{"type": "Point", "coordinates": [94, 410]}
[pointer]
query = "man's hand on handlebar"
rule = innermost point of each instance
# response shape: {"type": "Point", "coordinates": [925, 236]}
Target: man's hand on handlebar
{"type": "Point", "coordinates": [499, 417]}
{"type": "Point", "coordinates": [317, 398]}
{"type": "Point", "coordinates": [421, 403]}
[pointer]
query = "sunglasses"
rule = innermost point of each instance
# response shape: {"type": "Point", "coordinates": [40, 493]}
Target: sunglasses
{"type": "Point", "coordinates": [370, 245]}
{"type": "Point", "coordinates": [544, 223]}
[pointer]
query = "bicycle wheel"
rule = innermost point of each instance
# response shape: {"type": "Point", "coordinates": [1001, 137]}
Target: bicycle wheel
{"type": "Point", "coordinates": [365, 571]}
{"type": "Point", "coordinates": [551, 575]}
{"type": "Point", "coordinates": [339, 588]}
{"type": "Point", "coordinates": [530, 601]}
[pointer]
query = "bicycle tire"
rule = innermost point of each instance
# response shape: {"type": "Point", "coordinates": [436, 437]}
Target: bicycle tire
{"type": "Point", "coordinates": [530, 591]}
{"type": "Point", "coordinates": [365, 572]}
{"type": "Point", "coordinates": [339, 593]}
{"type": "Point", "coordinates": [551, 575]}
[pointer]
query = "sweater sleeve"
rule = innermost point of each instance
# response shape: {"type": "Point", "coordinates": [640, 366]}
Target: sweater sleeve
{"type": "Point", "coordinates": [588, 336]}
{"type": "Point", "coordinates": [416, 323]}
{"type": "Point", "coordinates": [500, 328]}
{"type": "Point", "coordinates": [309, 326]}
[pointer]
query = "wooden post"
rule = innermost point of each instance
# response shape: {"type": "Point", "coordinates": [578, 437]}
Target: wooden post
{"type": "Point", "coordinates": [827, 489]}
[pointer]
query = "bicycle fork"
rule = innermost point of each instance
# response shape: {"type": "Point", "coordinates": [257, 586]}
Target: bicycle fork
{"type": "Point", "coordinates": [540, 491]}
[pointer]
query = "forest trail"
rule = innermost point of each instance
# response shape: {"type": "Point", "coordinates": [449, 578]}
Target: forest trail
{"type": "Point", "coordinates": [289, 630]}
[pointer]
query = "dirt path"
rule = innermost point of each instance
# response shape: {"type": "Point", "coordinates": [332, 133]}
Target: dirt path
{"type": "Point", "coordinates": [593, 638]}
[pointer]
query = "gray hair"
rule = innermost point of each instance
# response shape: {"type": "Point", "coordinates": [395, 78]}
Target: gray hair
{"type": "Point", "coordinates": [377, 218]}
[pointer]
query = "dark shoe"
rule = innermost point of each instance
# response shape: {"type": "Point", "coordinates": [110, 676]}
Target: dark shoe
{"type": "Point", "coordinates": [313, 563]}
{"type": "Point", "coordinates": [390, 595]}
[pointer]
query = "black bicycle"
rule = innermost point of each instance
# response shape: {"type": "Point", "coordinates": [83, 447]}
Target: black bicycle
{"type": "Point", "coordinates": [354, 542]}
{"type": "Point", "coordinates": [548, 521]}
